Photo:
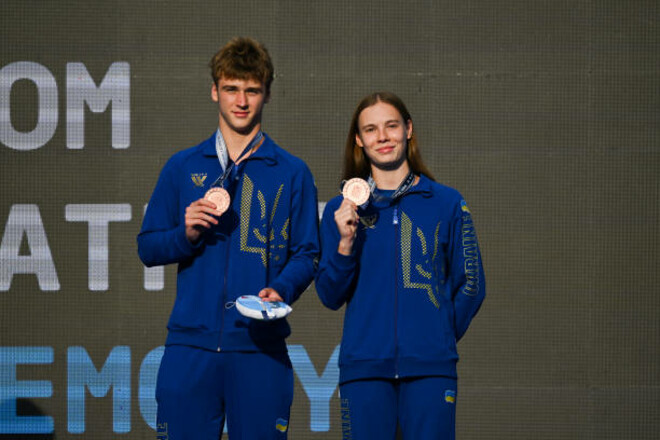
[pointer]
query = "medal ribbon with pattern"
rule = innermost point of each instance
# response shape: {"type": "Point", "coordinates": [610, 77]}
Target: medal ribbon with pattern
{"type": "Point", "coordinates": [217, 192]}
{"type": "Point", "coordinates": [403, 188]}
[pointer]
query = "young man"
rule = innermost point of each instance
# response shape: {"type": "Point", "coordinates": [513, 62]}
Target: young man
{"type": "Point", "coordinates": [259, 237]}
{"type": "Point", "coordinates": [406, 263]}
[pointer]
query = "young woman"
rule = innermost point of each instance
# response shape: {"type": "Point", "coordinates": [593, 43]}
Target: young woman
{"type": "Point", "coordinates": [407, 265]}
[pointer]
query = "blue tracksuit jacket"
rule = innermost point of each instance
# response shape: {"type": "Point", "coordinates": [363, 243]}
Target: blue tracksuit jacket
{"type": "Point", "coordinates": [267, 238]}
{"type": "Point", "coordinates": [411, 287]}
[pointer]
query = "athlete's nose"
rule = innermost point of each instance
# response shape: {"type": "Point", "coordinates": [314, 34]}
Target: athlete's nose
{"type": "Point", "coordinates": [241, 99]}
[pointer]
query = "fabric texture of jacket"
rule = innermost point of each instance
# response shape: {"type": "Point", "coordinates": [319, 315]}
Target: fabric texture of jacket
{"type": "Point", "coordinates": [267, 238]}
{"type": "Point", "coordinates": [411, 286]}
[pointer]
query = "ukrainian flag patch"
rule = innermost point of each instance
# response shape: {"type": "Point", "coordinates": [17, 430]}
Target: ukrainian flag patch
{"type": "Point", "coordinates": [464, 207]}
{"type": "Point", "coordinates": [282, 425]}
{"type": "Point", "coordinates": [450, 396]}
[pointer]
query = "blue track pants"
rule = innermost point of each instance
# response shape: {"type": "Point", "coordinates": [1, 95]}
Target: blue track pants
{"type": "Point", "coordinates": [423, 407]}
{"type": "Point", "coordinates": [196, 389]}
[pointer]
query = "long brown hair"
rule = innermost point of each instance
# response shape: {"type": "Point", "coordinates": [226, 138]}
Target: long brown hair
{"type": "Point", "coordinates": [356, 163]}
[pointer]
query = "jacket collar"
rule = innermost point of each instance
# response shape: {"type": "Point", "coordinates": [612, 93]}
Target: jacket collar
{"type": "Point", "coordinates": [423, 187]}
{"type": "Point", "coordinates": [266, 152]}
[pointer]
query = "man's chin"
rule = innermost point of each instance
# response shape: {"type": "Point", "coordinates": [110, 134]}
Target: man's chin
{"type": "Point", "coordinates": [245, 128]}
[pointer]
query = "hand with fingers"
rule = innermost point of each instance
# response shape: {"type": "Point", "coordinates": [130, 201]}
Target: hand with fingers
{"type": "Point", "coordinates": [269, 294]}
{"type": "Point", "coordinates": [346, 218]}
{"type": "Point", "coordinates": [200, 216]}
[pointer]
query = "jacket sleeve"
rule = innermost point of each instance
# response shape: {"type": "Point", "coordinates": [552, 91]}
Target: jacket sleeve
{"type": "Point", "coordinates": [303, 250]}
{"type": "Point", "coordinates": [162, 238]}
{"type": "Point", "coordinates": [334, 280]}
{"type": "Point", "coordinates": [468, 286]}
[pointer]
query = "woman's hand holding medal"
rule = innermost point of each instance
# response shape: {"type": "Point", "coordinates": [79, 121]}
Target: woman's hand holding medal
{"type": "Point", "coordinates": [347, 220]}
{"type": "Point", "coordinates": [356, 192]}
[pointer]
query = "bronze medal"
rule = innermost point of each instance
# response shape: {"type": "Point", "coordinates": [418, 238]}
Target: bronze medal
{"type": "Point", "coordinates": [220, 197]}
{"type": "Point", "coordinates": [356, 190]}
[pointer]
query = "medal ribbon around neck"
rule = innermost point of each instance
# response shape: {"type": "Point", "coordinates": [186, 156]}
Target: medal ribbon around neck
{"type": "Point", "coordinates": [223, 156]}
{"type": "Point", "coordinates": [403, 188]}
{"type": "Point", "coordinates": [217, 192]}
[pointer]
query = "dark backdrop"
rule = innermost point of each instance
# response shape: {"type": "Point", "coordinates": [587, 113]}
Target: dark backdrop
{"type": "Point", "coordinates": [545, 115]}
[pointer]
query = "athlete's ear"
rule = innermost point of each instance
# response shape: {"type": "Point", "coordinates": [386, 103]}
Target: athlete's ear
{"type": "Point", "coordinates": [358, 141]}
{"type": "Point", "coordinates": [214, 92]}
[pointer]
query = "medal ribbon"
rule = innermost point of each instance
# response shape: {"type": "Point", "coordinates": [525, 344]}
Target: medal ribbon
{"type": "Point", "coordinates": [403, 188]}
{"type": "Point", "coordinates": [223, 155]}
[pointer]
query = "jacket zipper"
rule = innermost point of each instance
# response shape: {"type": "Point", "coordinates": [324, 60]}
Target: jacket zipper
{"type": "Point", "coordinates": [224, 295]}
{"type": "Point", "coordinates": [224, 282]}
{"type": "Point", "coordinates": [395, 222]}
